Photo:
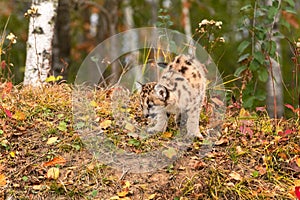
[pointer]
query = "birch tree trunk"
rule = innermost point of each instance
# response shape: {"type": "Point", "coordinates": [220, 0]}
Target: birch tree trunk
{"type": "Point", "coordinates": [39, 45]}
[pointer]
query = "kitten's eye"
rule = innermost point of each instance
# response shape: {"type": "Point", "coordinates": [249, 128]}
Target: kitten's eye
{"type": "Point", "coordinates": [150, 104]}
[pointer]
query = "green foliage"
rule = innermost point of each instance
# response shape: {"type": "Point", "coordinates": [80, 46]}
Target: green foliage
{"type": "Point", "coordinates": [256, 51]}
{"type": "Point", "coordinates": [164, 19]}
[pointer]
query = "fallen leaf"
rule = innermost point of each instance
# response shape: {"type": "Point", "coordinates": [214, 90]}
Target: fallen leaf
{"type": "Point", "coordinates": [230, 184]}
{"type": "Point", "coordinates": [55, 161]}
{"type": "Point", "coordinates": [167, 135]}
{"type": "Point", "coordinates": [222, 141]}
{"type": "Point", "coordinates": [297, 192]}
{"type": "Point", "coordinates": [152, 196]}
{"type": "Point", "coordinates": [236, 176]}
{"type": "Point", "coordinates": [8, 113]}
{"type": "Point", "coordinates": [123, 193]}
{"type": "Point", "coordinates": [52, 140]}
{"type": "Point", "coordinates": [126, 184]}
{"type": "Point", "coordinates": [170, 152]}
{"type": "Point", "coordinates": [93, 104]}
{"type": "Point", "coordinates": [39, 187]}
{"type": "Point", "coordinates": [282, 155]}
{"type": "Point", "coordinates": [19, 116]}
{"type": "Point", "coordinates": [2, 180]}
{"type": "Point", "coordinates": [53, 173]}
{"type": "Point", "coordinates": [129, 127]}
{"type": "Point", "coordinates": [298, 161]}
{"type": "Point", "coordinates": [105, 124]}
{"type": "Point", "coordinates": [239, 150]}
{"type": "Point", "coordinates": [12, 154]}
{"type": "Point", "coordinates": [198, 165]}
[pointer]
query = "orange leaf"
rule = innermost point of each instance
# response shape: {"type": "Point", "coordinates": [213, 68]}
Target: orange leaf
{"type": "Point", "coordinates": [55, 161]}
{"type": "Point", "coordinates": [298, 161]}
{"type": "Point", "coordinates": [2, 180]}
{"type": "Point", "coordinates": [124, 193]}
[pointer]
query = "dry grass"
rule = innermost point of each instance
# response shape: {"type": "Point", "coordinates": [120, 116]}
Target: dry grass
{"type": "Point", "coordinates": [256, 158]}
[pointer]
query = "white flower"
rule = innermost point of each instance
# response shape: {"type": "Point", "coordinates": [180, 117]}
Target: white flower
{"type": "Point", "coordinates": [212, 22]}
{"type": "Point", "coordinates": [222, 40]}
{"type": "Point", "coordinates": [12, 38]}
{"type": "Point", "coordinates": [203, 22]}
{"type": "Point", "coordinates": [219, 24]}
{"type": "Point", "coordinates": [298, 44]}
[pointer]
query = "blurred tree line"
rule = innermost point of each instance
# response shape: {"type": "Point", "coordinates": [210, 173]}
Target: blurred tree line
{"type": "Point", "coordinates": [82, 24]}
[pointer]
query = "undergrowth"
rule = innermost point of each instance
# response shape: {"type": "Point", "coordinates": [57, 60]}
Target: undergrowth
{"type": "Point", "coordinates": [43, 157]}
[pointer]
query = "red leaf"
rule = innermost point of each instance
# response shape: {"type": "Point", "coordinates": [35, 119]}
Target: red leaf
{"type": "Point", "coordinates": [289, 131]}
{"type": "Point", "coordinates": [297, 192]}
{"type": "Point", "coordinates": [290, 107]}
{"type": "Point", "coordinates": [262, 109]}
{"type": "Point", "coordinates": [8, 87]}
{"type": "Point", "coordinates": [3, 64]}
{"type": "Point", "coordinates": [7, 112]}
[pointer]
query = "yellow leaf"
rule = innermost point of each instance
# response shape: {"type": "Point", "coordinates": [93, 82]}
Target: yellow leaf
{"type": "Point", "coordinates": [236, 176]}
{"type": "Point", "coordinates": [12, 154]}
{"type": "Point", "coordinates": [105, 124]}
{"type": "Point", "coordinates": [93, 103]}
{"type": "Point", "coordinates": [124, 193]}
{"type": "Point", "coordinates": [152, 196]}
{"type": "Point", "coordinates": [53, 173]}
{"type": "Point", "coordinates": [19, 116]}
{"type": "Point", "coordinates": [126, 184]}
{"type": "Point", "coordinates": [2, 180]}
{"type": "Point", "coordinates": [52, 140]}
{"type": "Point", "coordinates": [244, 113]}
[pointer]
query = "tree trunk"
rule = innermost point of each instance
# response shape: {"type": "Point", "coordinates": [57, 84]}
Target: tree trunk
{"type": "Point", "coordinates": [274, 84]}
{"type": "Point", "coordinates": [62, 40]}
{"type": "Point", "coordinates": [108, 27]}
{"type": "Point", "coordinates": [186, 18]}
{"type": "Point", "coordinates": [39, 44]}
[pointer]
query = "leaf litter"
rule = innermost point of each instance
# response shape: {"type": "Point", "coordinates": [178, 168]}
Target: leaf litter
{"type": "Point", "coordinates": [256, 157]}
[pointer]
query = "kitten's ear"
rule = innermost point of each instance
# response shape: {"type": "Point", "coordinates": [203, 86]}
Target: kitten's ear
{"type": "Point", "coordinates": [161, 91]}
{"type": "Point", "coordinates": [138, 86]}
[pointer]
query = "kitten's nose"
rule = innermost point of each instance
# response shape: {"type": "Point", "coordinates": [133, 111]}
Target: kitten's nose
{"type": "Point", "coordinates": [147, 115]}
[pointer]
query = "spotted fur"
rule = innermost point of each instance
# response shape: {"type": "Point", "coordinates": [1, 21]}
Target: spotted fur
{"type": "Point", "coordinates": [180, 91]}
